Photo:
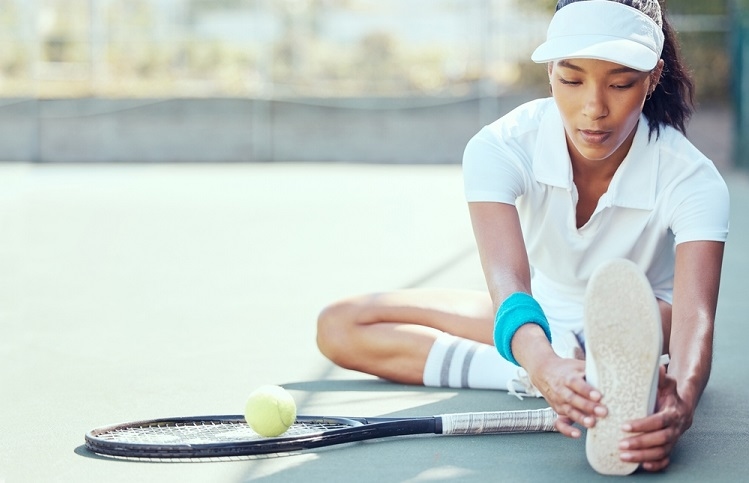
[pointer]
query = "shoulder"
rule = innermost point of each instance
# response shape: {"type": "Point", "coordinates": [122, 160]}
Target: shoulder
{"type": "Point", "coordinates": [497, 161]}
{"type": "Point", "coordinates": [682, 162]}
{"type": "Point", "coordinates": [692, 189]}
{"type": "Point", "coordinates": [518, 127]}
{"type": "Point", "coordinates": [524, 118]}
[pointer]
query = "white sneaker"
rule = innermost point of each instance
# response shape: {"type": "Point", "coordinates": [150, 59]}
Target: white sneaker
{"type": "Point", "coordinates": [623, 341]}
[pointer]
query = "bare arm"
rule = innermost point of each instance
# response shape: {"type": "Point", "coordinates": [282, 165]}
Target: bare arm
{"type": "Point", "coordinates": [504, 259]}
{"type": "Point", "coordinates": [499, 238]}
{"type": "Point", "coordinates": [696, 284]}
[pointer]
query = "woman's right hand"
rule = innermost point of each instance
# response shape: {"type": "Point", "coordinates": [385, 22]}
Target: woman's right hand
{"type": "Point", "coordinates": [563, 385]}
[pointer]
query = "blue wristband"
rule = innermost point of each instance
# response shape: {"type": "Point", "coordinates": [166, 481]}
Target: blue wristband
{"type": "Point", "coordinates": [517, 310]}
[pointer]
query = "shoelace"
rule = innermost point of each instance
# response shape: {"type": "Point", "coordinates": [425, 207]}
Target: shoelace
{"type": "Point", "coordinates": [522, 380]}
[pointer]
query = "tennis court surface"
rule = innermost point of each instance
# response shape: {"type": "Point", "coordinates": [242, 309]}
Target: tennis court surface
{"type": "Point", "coordinates": [143, 291]}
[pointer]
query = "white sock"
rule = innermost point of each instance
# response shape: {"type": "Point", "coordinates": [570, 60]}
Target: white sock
{"type": "Point", "coordinates": [457, 362]}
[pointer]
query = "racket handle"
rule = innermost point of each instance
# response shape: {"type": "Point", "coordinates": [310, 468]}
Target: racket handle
{"type": "Point", "coordinates": [523, 421]}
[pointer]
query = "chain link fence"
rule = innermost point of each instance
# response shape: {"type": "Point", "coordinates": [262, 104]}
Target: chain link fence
{"type": "Point", "coordinates": [75, 67]}
{"type": "Point", "coordinates": [262, 48]}
{"type": "Point", "coordinates": [302, 48]}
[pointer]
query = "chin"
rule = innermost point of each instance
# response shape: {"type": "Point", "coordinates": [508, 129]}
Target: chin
{"type": "Point", "coordinates": [593, 154]}
{"type": "Point", "coordinates": [596, 156]}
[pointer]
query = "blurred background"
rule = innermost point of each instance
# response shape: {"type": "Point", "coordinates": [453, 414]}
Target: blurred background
{"type": "Point", "coordinates": [386, 81]}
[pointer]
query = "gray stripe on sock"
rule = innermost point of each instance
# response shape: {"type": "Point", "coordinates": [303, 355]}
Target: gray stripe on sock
{"type": "Point", "coordinates": [467, 364]}
{"type": "Point", "coordinates": [446, 362]}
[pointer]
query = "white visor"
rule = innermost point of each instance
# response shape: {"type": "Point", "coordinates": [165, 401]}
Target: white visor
{"type": "Point", "coordinates": [604, 30]}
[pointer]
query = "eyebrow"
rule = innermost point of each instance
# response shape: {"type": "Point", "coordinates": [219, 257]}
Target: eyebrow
{"type": "Point", "coordinates": [619, 70]}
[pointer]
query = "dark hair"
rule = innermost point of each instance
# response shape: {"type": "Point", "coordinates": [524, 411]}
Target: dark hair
{"type": "Point", "coordinates": [672, 101]}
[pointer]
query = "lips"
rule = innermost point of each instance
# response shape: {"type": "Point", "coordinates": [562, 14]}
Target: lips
{"type": "Point", "coordinates": [594, 137]}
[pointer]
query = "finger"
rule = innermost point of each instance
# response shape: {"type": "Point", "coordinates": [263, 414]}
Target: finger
{"type": "Point", "coordinates": [656, 465]}
{"type": "Point", "coordinates": [565, 426]}
{"type": "Point", "coordinates": [578, 417]}
{"type": "Point", "coordinates": [649, 441]}
{"type": "Point", "coordinates": [648, 424]}
{"type": "Point", "coordinates": [578, 407]}
{"type": "Point", "coordinates": [581, 386]}
{"type": "Point", "coordinates": [651, 455]}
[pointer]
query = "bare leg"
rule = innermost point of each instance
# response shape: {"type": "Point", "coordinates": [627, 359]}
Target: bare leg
{"type": "Point", "coordinates": [390, 334]}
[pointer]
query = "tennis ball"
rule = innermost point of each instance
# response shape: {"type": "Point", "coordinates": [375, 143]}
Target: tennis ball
{"type": "Point", "coordinates": [270, 410]}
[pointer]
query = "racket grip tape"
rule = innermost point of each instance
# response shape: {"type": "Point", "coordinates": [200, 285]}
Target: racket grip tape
{"type": "Point", "coordinates": [523, 421]}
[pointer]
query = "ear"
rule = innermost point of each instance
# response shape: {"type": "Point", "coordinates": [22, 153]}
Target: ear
{"type": "Point", "coordinates": [655, 76]}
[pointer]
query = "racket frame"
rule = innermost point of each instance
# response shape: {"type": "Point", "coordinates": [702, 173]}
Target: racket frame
{"type": "Point", "coordinates": [355, 429]}
{"type": "Point", "coordinates": [358, 429]}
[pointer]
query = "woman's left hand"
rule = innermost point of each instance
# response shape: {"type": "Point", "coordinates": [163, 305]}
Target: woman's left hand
{"type": "Point", "coordinates": [659, 432]}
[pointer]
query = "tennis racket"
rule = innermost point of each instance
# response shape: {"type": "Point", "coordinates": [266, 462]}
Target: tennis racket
{"type": "Point", "coordinates": [228, 436]}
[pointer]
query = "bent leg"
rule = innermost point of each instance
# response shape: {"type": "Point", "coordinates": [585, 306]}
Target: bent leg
{"type": "Point", "coordinates": [390, 334]}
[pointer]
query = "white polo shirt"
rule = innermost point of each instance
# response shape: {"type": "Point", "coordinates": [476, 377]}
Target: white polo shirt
{"type": "Point", "coordinates": [664, 193]}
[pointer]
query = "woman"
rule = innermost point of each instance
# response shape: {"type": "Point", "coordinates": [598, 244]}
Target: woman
{"type": "Point", "coordinates": [556, 189]}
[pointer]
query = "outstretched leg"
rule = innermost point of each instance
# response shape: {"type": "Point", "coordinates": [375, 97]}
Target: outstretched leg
{"type": "Point", "coordinates": [624, 336]}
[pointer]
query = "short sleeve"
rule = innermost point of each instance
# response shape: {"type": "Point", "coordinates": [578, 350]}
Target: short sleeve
{"type": "Point", "coordinates": [492, 170]}
{"type": "Point", "coordinates": [704, 210]}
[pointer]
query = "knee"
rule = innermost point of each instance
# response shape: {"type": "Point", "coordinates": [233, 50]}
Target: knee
{"type": "Point", "coordinates": [334, 330]}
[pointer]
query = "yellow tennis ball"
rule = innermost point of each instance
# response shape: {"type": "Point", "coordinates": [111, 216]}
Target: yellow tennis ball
{"type": "Point", "coordinates": [270, 410]}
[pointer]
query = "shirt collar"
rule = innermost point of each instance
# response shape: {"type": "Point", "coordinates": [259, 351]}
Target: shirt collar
{"type": "Point", "coordinates": [633, 184]}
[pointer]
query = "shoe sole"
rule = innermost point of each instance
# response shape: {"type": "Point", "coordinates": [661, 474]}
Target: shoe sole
{"type": "Point", "coordinates": [623, 335]}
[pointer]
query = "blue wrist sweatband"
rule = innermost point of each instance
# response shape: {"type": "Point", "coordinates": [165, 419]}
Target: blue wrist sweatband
{"type": "Point", "coordinates": [518, 309]}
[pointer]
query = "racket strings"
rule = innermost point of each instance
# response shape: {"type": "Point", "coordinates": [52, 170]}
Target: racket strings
{"type": "Point", "coordinates": [202, 432]}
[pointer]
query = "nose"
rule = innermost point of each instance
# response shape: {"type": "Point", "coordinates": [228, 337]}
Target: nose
{"type": "Point", "coordinates": [594, 103]}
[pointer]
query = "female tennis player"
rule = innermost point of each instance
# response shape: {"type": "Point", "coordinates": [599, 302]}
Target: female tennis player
{"type": "Point", "coordinates": [566, 195]}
